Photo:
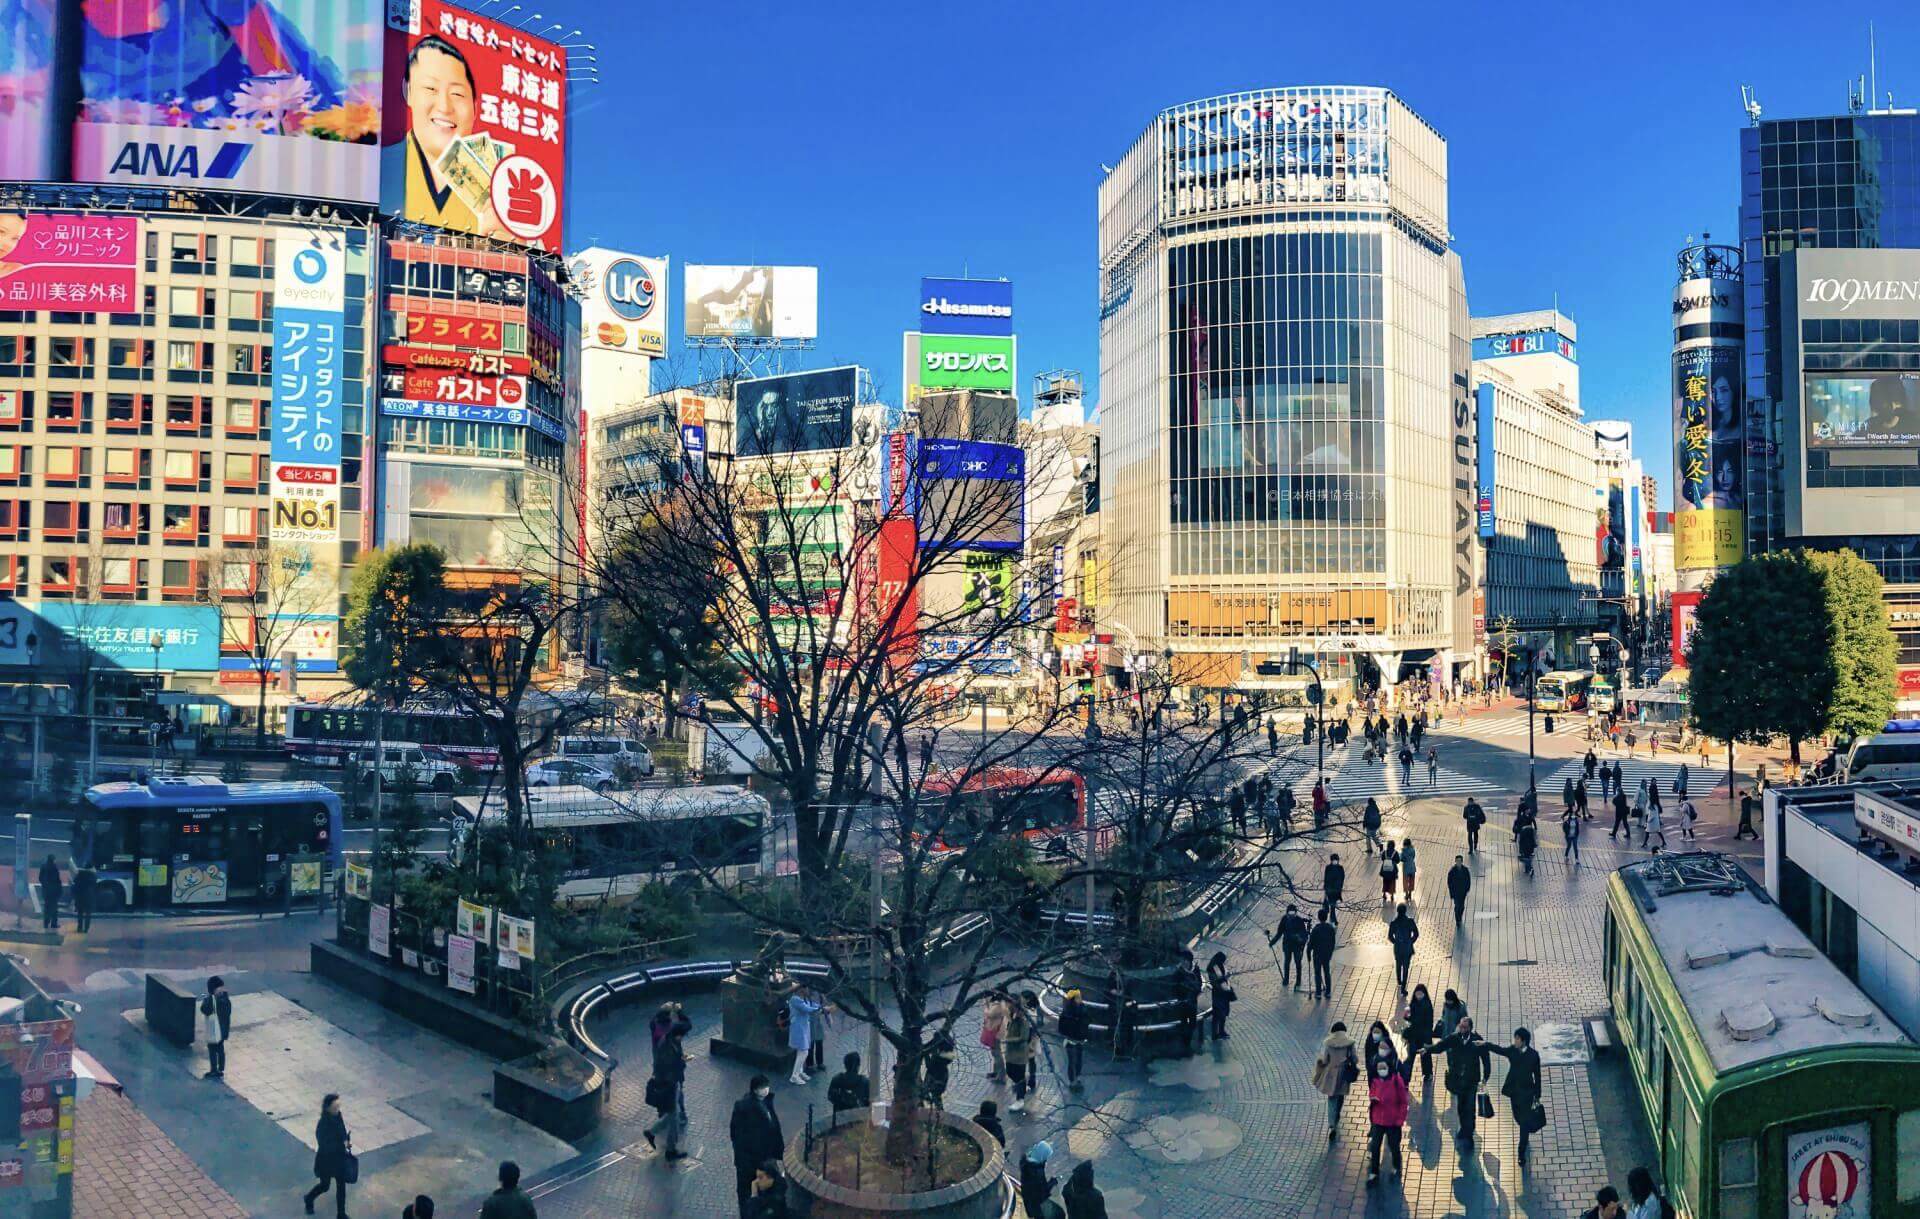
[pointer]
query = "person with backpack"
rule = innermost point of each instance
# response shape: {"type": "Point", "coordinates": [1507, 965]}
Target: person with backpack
{"type": "Point", "coordinates": [1620, 818]}
{"type": "Point", "coordinates": [1646, 1202]}
{"type": "Point", "coordinates": [849, 1089]}
{"type": "Point", "coordinates": [1389, 872]}
{"type": "Point", "coordinates": [1334, 1070]}
{"type": "Point", "coordinates": [666, 1087]}
{"type": "Point", "coordinates": [1370, 824]}
{"type": "Point", "coordinates": [1220, 991]}
{"type": "Point", "coordinates": [936, 1070]}
{"type": "Point", "coordinates": [1688, 815]}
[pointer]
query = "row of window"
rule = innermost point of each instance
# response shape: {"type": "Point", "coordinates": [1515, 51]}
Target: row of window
{"type": "Point", "coordinates": [74, 409]}
{"type": "Point", "coordinates": [126, 520]}
{"type": "Point", "coordinates": [181, 468]}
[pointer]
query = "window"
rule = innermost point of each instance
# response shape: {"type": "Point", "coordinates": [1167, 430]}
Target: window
{"type": "Point", "coordinates": [236, 577]}
{"type": "Point", "coordinates": [12, 461]}
{"type": "Point", "coordinates": [117, 573]}
{"type": "Point", "coordinates": [242, 357]}
{"type": "Point", "coordinates": [123, 463]}
{"type": "Point", "coordinates": [16, 349]}
{"type": "Point", "coordinates": [240, 470]}
{"type": "Point", "coordinates": [179, 520]}
{"type": "Point", "coordinates": [184, 302]}
{"type": "Point", "coordinates": [70, 352]}
{"type": "Point", "coordinates": [59, 575]}
{"type": "Point", "coordinates": [182, 357]}
{"type": "Point", "coordinates": [125, 353]}
{"type": "Point", "coordinates": [243, 415]}
{"type": "Point", "coordinates": [60, 518]}
{"type": "Point", "coordinates": [123, 411]}
{"type": "Point", "coordinates": [183, 414]}
{"type": "Point", "coordinates": [1906, 1155]}
{"type": "Point", "coordinates": [176, 575]}
{"type": "Point", "coordinates": [63, 461]}
{"type": "Point", "coordinates": [13, 406]}
{"type": "Point", "coordinates": [182, 467]}
{"type": "Point", "coordinates": [118, 520]}
{"type": "Point", "coordinates": [63, 409]}
{"type": "Point", "coordinates": [185, 247]}
{"type": "Point", "coordinates": [237, 523]}
{"type": "Point", "coordinates": [244, 252]}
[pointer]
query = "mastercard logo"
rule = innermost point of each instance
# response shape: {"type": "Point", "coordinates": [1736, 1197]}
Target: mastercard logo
{"type": "Point", "coordinates": [613, 335]}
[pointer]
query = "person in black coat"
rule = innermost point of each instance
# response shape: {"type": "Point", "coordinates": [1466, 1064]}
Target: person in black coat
{"type": "Point", "coordinates": [767, 1192]}
{"type": "Point", "coordinates": [1320, 945]}
{"type": "Point", "coordinates": [1401, 933]}
{"type": "Point", "coordinates": [50, 888]}
{"type": "Point", "coordinates": [330, 1161]}
{"type": "Point", "coordinates": [1333, 880]}
{"type": "Point", "coordinates": [665, 1088]}
{"type": "Point", "coordinates": [754, 1130]}
{"type": "Point", "coordinates": [1082, 1197]}
{"type": "Point", "coordinates": [1522, 1086]}
{"type": "Point", "coordinates": [1467, 1067]}
{"type": "Point", "coordinates": [1291, 935]}
{"type": "Point", "coordinates": [849, 1089]}
{"type": "Point", "coordinates": [1076, 1025]}
{"type": "Point", "coordinates": [988, 1119]}
{"type": "Point", "coordinates": [1459, 884]}
{"type": "Point", "coordinates": [1419, 1031]}
{"type": "Point", "coordinates": [84, 880]}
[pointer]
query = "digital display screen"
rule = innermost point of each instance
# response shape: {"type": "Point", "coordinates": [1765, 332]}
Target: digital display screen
{"type": "Point", "coordinates": [1863, 411]}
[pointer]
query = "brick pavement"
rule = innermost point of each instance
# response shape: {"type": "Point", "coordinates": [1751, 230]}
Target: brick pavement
{"type": "Point", "coordinates": [125, 1168]}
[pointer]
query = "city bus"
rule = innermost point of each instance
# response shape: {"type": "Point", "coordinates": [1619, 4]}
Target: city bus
{"type": "Point", "coordinates": [1602, 694]}
{"type": "Point", "coordinates": [1565, 690]}
{"type": "Point", "coordinates": [1040, 804]}
{"type": "Point", "coordinates": [1774, 1088]}
{"type": "Point", "coordinates": [610, 845]}
{"type": "Point", "coordinates": [329, 733]}
{"type": "Point", "coordinates": [194, 841]}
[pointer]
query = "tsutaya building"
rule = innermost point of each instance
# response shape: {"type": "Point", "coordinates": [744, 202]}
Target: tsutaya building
{"type": "Point", "coordinates": [1287, 436]}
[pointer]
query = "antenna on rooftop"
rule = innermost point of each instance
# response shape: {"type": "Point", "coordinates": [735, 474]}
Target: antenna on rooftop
{"type": "Point", "coordinates": [1750, 104]}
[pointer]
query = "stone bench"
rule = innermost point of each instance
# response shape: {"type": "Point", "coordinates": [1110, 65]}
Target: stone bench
{"type": "Point", "coordinates": [172, 1010]}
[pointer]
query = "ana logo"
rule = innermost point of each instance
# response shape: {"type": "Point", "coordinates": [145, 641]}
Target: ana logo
{"type": "Point", "coordinates": [309, 266]}
{"type": "Point", "coordinates": [151, 159]}
{"type": "Point", "coordinates": [629, 289]}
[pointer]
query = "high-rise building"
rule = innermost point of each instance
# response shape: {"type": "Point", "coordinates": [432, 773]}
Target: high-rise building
{"type": "Point", "coordinates": [1620, 529]}
{"type": "Point", "coordinates": [1830, 238]}
{"type": "Point", "coordinates": [1286, 410]}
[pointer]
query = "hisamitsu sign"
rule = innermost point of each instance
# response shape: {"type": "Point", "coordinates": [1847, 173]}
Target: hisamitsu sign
{"type": "Point", "coordinates": [966, 306]}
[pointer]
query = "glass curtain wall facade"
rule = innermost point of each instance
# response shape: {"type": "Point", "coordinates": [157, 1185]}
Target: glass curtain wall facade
{"type": "Point", "coordinates": [1277, 430]}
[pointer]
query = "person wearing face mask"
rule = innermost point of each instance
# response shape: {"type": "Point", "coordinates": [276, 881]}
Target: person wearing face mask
{"type": "Point", "coordinates": [1387, 1104]}
{"type": "Point", "coordinates": [754, 1131]}
{"type": "Point", "coordinates": [1380, 1048]}
{"type": "Point", "coordinates": [1419, 1031]}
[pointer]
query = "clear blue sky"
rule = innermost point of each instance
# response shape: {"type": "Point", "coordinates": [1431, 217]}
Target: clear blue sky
{"type": "Point", "coordinates": [882, 142]}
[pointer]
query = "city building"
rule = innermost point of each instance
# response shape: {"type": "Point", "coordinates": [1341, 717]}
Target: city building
{"type": "Point", "coordinates": [1063, 525]}
{"type": "Point", "coordinates": [1620, 527]}
{"type": "Point", "coordinates": [1537, 470]}
{"type": "Point", "coordinates": [1829, 225]}
{"type": "Point", "coordinates": [1286, 411]}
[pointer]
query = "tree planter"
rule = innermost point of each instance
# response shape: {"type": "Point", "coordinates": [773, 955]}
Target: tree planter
{"type": "Point", "coordinates": [973, 1186]}
{"type": "Point", "coordinates": [1155, 1015]}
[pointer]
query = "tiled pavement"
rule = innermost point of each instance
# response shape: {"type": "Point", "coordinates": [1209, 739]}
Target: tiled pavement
{"type": "Point", "coordinates": [126, 1169]}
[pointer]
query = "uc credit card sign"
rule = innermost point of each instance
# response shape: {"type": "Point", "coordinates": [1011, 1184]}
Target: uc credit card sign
{"type": "Point", "coordinates": [966, 306]}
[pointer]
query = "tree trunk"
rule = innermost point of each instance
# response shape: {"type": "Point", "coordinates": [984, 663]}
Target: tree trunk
{"type": "Point", "coordinates": [904, 1123]}
{"type": "Point", "coordinates": [260, 712]}
{"type": "Point", "coordinates": [811, 860]}
{"type": "Point", "coordinates": [1793, 750]}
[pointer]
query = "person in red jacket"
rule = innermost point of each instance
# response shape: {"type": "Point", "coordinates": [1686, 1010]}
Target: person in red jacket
{"type": "Point", "coordinates": [1388, 1100]}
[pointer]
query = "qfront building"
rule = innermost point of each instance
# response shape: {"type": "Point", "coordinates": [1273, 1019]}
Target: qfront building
{"type": "Point", "coordinates": [1287, 416]}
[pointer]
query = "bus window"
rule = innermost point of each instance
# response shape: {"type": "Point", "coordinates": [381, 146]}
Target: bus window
{"type": "Point", "coordinates": [154, 837]}
{"type": "Point", "coordinates": [1906, 1147]}
{"type": "Point", "coordinates": [1740, 1176]}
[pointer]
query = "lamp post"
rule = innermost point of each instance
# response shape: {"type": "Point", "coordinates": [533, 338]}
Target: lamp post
{"type": "Point", "coordinates": [1317, 695]}
{"type": "Point", "coordinates": [153, 726]}
{"type": "Point", "coordinates": [33, 705]}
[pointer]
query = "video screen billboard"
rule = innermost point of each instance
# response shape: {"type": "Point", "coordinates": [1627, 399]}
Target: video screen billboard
{"type": "Point", "coordinates": [1863, 411]}
{"type": "Point", "coordinates": [625, 307]}
{"type": "Point", "coordinates": [26, 79]}
{"type": "Point", "coordinates": [473, 132]}
{"type": "Point", "coordinates": [795, 413]}
{"type": "Point", "coordinates": [972, 495]}
{"type": "Point", "coordinates": [752, 302]}
{"type": "Point", "coordinates": [280, 96]}
{"type": "Point", "coordinates": [965, 362]}
{"type": "Point", "coordinates": [966, 306]}
{"type": "Point", "coordinates": [82, 263]}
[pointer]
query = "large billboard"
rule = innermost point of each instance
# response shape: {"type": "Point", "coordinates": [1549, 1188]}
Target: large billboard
{"type": "Point", "coordinates": [966, 306]}
{"type": "Point", "coordinates": [752, 302]}
{"type": "Point", "coordinates": [625, 306]}
{"type": "Point", "coordinates": [123, 633]}
{"type": "Point", "coordinates": [77, 263]}
{"type": "Point", "coordinates": [965, 362]}
{"type": "Point", "coordinates": [972, 495]}
{"type": "Point", "coordinates": [1863, 410]}
{"type": "Point", "coordinates": [309, 344]}
{"type": "Point", "coordinates": [1707, 427]}
{"type": "Point", "coordinates": [474, 130]}
{"type": "Point", "coordinates": [795, 413]}
{"type": "Point", "coordinates": [278, 96]}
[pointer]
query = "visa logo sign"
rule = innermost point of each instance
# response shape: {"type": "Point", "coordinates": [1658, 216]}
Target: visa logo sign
{"type": "Point", "coordinates": [152, 159]}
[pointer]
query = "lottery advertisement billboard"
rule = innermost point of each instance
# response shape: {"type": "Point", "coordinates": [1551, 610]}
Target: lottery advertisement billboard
{"type": "Point", "coordinates": [81, 263]}
{"type": "Point", "coordinates": [473, 132]}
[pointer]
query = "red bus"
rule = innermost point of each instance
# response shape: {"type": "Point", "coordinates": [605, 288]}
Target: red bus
{"type": "Point", "coordinates": [1039, 804]}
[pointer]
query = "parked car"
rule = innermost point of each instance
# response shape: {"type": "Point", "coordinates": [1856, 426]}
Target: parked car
{"type": "Point", "coordinates": [613, 752]}
{"type": "Point", "coordinates": [572, 772]}
{"type": "Point", "coordinates": [427, 769]}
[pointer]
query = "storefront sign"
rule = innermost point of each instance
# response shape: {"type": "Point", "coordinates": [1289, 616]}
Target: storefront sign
{"type": "Point", "coordinates": [75, 263]}
{"type": "Point", "coordinates": [309, 348]}
{"type": "Point", "coordinates": [425, 325]}
{"type": "Point", "coordinates": [510, 416]}
{"type": "Point", "coordinates": [123, 634]}
{"type": "Point", "coordinates": [474, 363]}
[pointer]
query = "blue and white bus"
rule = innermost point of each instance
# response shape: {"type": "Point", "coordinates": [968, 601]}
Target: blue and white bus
{"type": "Point", "coordinates": [192, 841]}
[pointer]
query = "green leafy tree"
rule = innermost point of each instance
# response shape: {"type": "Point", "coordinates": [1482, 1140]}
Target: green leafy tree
{"type": "Point", "coordinates": [396, 597]}
{"type": "Point", "coordinates": [1762, 656]}
{"type": "Point", "coordinates": [1865, 653]}
{"type": "Point", "coordinates": [669, 641]}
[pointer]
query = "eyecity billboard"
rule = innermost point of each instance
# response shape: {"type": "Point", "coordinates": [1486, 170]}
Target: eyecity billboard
{"type": "Point", "coordinates": [965, 362]}
{"type": "Point", "coordinates": [625, 306]}
{"type": "Point", "coordinates": [473, 130]}
{"type": "Point", "coordinates": [966, 306]}
{"type": "Point", "coordinates": [752, 302]}
{"type": "Point", "coordinates": [795, 412]}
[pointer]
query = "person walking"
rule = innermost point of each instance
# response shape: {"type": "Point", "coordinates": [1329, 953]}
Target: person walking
{"type": "Point", "coordinates": [1459, 884]}
{"type": "Point", "coordinates": [1570, 830]}
{"type": "Point", "coordinates": [1369, 825]}
{"type": "Point", "coordinates": [1075, 1025]}
{"type": "Point", "coordinates": [1746, 818]}
{"type": "Point", "coordinates": [1389, 871]}
{"type": "Point", "coordinates": [1418, 1030]}
{"type": "Point", "coordinates": [1082, 1198]}
{"type": "Point", "coordinates": [1588, 763]}
{"type": "Point", "coordinates": [216, 1025]}
{"type": "Point", "coordinates": [1466, 1053]}
{"type": "Point", "coordinates": [988, 1119]}
{"type": "Point", "coordinates": [1433, 765]}
{"type": "Point", "coordinates": [1036, 1187]}
{"type": "Point", "coordinates": [1566, 796]}
{"type": "Point", "coordinates": [1640, 811]}
{"type": "Point", "coordinates": [1401, 933]}
{"type": "Point", "coordinates": [849, 1089]}
{"type": "Point", "coordinates": [1320, 945]}
{"type": "Point", "coordinates": [666, 1087]}
{"type": "Point", "coordinates": [1606, 1205]}
{"type": "Point", "coordinates": [1017, 1043]}
{"type": "Point", "coordinates": [1273, 738]}
{"type": "Point", "coordinates": [332, 1159]}
{"type": "Point", "coordinates": [1475, 817]}
{"type": "Point", "coordinates": [993, 1025]}
{"type": "Point", "coordinates": [1221, 992]}
{"type": "Point", "coordinates": [754, 1131]}
{"type": "Point", "coordinates": [1527, 837]}
{"type": "Point", "coordinates": [1291, 935]}
{"type": "Point", "coordinates": [1380, 1045]}
{"type": "Point", "coordinates": [801, 1006]}
{"type": "Point", "coordinates": [1387, 1103]}
{"type": "Point", "coordinates": [84, 879]}
{"type": "Point", "coordinates": [50, 889]}
{"type": "Point", "coordinates": [1688, 815]}
{"type": "Point", "coordinates": [1334, 1071]}
{"type": "Point", "coordinates": [1408, 860]}
{"type": "Point", "coordinates": [1645, 1201]}
{"type": "Point", "coordinates": [1655, 828]}
{"type": "Point", "coordinates": [1333, 884]}
{"type": "Point", "coordinates": [1319, 803]}
{"type": "Point", "coordinates": [1680, 783]}
{"type": "Point", "coordinates": [819, 1020]}
{"type": "Point", "coordinates": [1580, 800]}
{"type": "Point", "coordinates": [1406, 767]}
{"type": "Point", "coordinates": [1620, 821]}
{"type": "Point", "coordinates": [1522, 1086]}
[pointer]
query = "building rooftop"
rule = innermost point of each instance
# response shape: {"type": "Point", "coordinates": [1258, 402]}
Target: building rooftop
{"type": "Point", "coordinates": [1532, 319]}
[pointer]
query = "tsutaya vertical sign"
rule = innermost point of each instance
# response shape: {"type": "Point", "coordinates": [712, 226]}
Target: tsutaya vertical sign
{"type": "Point", "coordinates": [309, 338]}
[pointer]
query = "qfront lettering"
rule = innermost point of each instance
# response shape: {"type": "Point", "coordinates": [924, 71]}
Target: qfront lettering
{"type": "Point", "coordinates": [963, 361]}
{"type": "Point", "coordinates": [1849, 292]}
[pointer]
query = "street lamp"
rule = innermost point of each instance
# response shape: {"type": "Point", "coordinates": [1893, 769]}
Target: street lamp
{"type": "Point", "coordinates": [33, 705]}
{"type": "Point", "coordinates": [1531, 653]}
{"type": "Point", "coordinates": [153, 727]}
{"type": "Point", "coordinates": [1317, 695]}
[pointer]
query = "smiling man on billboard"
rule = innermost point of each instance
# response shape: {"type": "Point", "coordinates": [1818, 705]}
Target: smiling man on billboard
{"type": "Point", "coordinates": [439, 91]}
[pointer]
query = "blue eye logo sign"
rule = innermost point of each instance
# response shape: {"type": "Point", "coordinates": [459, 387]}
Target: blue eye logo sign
{"type": "Point", "coordinates": [309, 266]}
{"type": "Point", "coordinates": [629, 290]}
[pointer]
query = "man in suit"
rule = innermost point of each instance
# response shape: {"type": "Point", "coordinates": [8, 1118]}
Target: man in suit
{"type": "Point", "coordinates": [1467, 1067]}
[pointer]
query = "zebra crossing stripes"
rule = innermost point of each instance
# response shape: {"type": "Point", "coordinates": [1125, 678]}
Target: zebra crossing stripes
{"type": "Point", "coordinates": [1700, 780]}
{"type": "Point", "coordinates": [1358, 779]}
{"type": "Point", "coordinates": [1503, 724]}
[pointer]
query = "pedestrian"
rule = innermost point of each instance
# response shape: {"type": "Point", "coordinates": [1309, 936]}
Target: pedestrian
{"type": "Point", "coordinates": [1401, 933]}
{"type": "Point", "coordinates": [1522, 1086]}
{"type": "Point", "coordinates": [1475, 817]}
{"type": "Point", "coordinates": [1633, 741]}
{"type": "Point", "coordinates": [1291, 935]}
{"type": "Point", "coordinates": [1606, 1205]}
{"type": "Point", "coordinates": [1186, 987]}
{"type": "Point", "coordinates": [50, 888]}
{"type": "Point", "coordinates": [1433, 766]}
{"type": "Point", "coordinates": [1320, 944]}
{"type": "Point", "coordinates": [1688, 815]}
{"type": "Point", "coordinates": [216, 1025]}
{"type": "Point", "coordinates": [754, 1132]}
{"type": "Point", "coordinates": [1680, 783]}
{"type": "Point", "coordinates": [993, 1024]}
{"type": "Point", "coordinates": [1333, 884]}
{"type": "Point", "coordinates": [333, 1161]}
{"type": "Point", "coordinates": [1570, 830]}
{"type": "Point", "coordinates": [801, 1006]}
{"type": "Point", "coordinates": [1580, 800]}
{"type": "Point", "coordinates": [1746, 818]}
{"type": "Point", "coordinates": [666, 1087]}
{"type": "Point", "coordinates": [1640, 811]}
{"type": "Point", "coordinates": [1319, 803]}
{"type": "Point", "coordinates": [1075, 1024]}
{"type": "Point", "coordinates": [1369, 824]}
{"type": "Point", "coordinates": [988, 1119]}
{"type": "Point", "coordinates": [1706, 753]}
{"type": "Point", "coordinates": [84, 880]}
{"type": "Point", "coordinates": [767, 1196]}
{"type": "Point", "coordinates": [1408, 859]}
{"type": "Point", "coordinates": [849, 1089]}
{"type": "Point", "coordinates": [1334, 1071]}
{"type": "Point", "coordinates": [1646, 1201]}
{"type": "Point", "coordinates": [1653, 794]}
{"type": "Point", "coordinates": [1528, 838]}
{"type": "Point", "coordinates": [1406, 766]}
{"type": "Point", "coordinates": [1566, 797]}
{"type": "Point", "coordinates": [936, 1071]}
{"type": "Point", "coordinates": [1273, 738]}
{"type": "Point", "coordinates": [1387, 1103]}
{"type": "Point", "coordinates": [1082, 1197]}
{"type": "Point", "coordinates": [1459, 884]}
{"type": "Point", "coordinates": [1466, 1055]}
{"type": "Point", "coordinates": [420, 1208]}
{"type": "Point", "coordinates": [1389, 871]}
{"type": "Point", "coordinates": [1221, 992]}
{"type": "Point", "coordinates": [1453, 1010]}
{"type": "Point", "coordinates": [1549, 725]}
{"type": "Point", "coordinates": [1017, 1044]}
{"type": "Point", "coordinates": [1379, 1046]}
{"type": "Point", "coordinates": [1655, 828]}
{"type": "Point", "coordinates": [1620, 822]}
{"type": "Point", "coordinates": [1036, 1187]}
{"type": "Point", "coordinates": [1417, 1028]}
{"type": "Point", "coordinates": [1588, 763]}
{"type": "Point", "coordinates": [818, 1021]}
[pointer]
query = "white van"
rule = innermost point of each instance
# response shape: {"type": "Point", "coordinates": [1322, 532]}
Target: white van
{"type": "Point", "coordinates": [426, 769]}
{"type": "Point", "coordinates": [612, 752]}
{"type": "Point", "coordinates": [1888, 755]}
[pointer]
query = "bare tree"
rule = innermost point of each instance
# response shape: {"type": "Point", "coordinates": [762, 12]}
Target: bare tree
{"type": "Point", "coordinates": [270, 597]}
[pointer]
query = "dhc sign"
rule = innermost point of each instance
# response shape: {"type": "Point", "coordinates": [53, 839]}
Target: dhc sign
{"type": "Point", "coordinates": [966, 306]}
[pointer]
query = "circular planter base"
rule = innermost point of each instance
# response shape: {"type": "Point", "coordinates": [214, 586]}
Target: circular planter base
{"type": "Point", "coordinates": [979, 1194]}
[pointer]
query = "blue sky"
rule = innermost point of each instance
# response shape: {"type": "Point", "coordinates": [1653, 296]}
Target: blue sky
{"type": "Point", "coordinates": [882, 142]}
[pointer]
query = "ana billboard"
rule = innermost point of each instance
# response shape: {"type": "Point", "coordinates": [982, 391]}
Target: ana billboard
{"type": "Point", "coordinates": [966, 306]}
{"type": "Point", "coordinates": [752, 302]}
{"type": "Point", "coordinates": [625, 306]}
{"type": "Point", "coordinates": [965, 362]}
{"type": "Point", "coordinates": [79, 263]}
{"type": "Point", "coordinates": [795, 412]}
{"type": "Point", "coordinates": [278, 97]}
{"type": "Point", "coordinates": [473, 133]}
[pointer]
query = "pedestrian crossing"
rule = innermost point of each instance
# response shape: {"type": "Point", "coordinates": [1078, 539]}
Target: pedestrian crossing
{"type": "Point", "coordinates": [1700, 781]}
{"type": "Point", "coordinates": [1354, 778]}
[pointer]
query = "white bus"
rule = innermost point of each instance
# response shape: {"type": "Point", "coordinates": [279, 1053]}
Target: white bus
{"type": "Point", "coordinates": [612, 844]}
{"type": "Point", "coordinates": [1563, 691]}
